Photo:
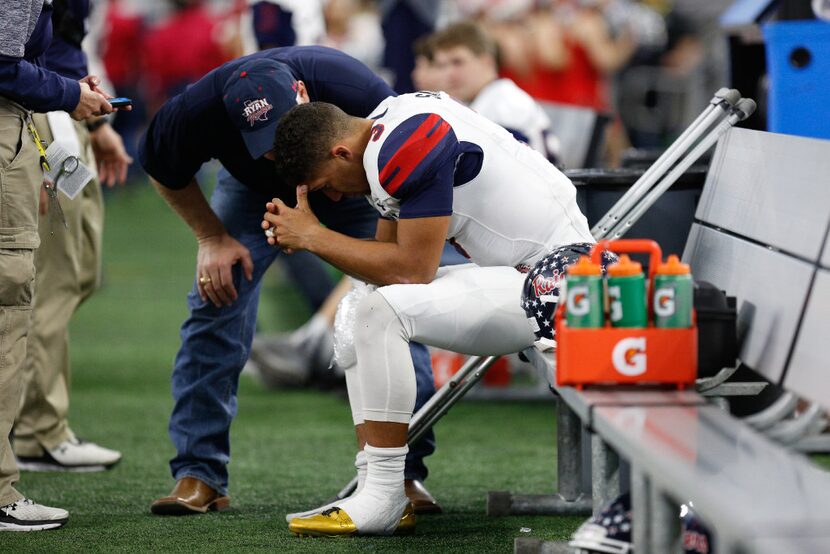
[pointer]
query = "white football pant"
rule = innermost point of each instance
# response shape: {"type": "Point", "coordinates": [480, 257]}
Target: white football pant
{"type": "Point", "coordinates": [467, 309]}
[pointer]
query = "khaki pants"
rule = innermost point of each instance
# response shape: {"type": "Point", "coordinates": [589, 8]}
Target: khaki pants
{"type": "Point", "coordinates": [68, 266]}
{"type": "Point", "coordinates": [20, 181]}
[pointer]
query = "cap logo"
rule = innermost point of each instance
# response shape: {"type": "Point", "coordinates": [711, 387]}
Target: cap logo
{"type": "Point", "coordinates": [256, 110]}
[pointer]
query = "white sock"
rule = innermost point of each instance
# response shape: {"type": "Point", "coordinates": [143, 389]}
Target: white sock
{"type": "Point", "coordinates": [360, 466]}
{"type": "Point", "coordinates": [378, 507]}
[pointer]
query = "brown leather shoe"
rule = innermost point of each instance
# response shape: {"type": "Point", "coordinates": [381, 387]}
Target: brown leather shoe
{"type": "Point", "coordinates": [422, 501]}
{"type": "Point", "coordinates": [190, 496]}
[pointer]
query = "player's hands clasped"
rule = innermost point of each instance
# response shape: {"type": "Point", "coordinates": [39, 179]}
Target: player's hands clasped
{"type": "Point", "coordinates": [290, 228]}
{"type": "Point", "coordinates": [214, 278]}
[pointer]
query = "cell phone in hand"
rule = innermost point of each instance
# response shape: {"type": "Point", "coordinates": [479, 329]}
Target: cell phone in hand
{"type": "Point", "coordinates": [120, 102]}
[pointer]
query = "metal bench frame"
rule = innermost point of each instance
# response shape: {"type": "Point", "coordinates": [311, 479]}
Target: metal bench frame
{"type": "Point", "coordinates": [656, 509]}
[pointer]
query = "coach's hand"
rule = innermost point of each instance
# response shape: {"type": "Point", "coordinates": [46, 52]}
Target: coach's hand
{"type": "Point", "coordinates": [113, 160]}
{"type": "Point", "coordinates": [90, 103]}
{"type": "Point", "coordinates": [291, 228]}
{"type": "Point", "coordinates": [217, 255]}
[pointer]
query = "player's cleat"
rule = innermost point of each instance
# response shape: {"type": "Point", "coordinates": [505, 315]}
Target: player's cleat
{"type": "Point", "coordinates": [335, 522]}
{"type": "Point", "coordinates": [313, 512]}
{"type": "Point", "coordinates": [73, 455]}
{"type": "Point", "coordinates": [422, 502]}
{"type": "Point", "coordinates": [27, 515]}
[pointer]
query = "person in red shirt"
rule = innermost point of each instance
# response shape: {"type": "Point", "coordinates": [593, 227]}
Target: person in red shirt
{"type": "Point", "coordinates": [564, 53]}
{"type": "Point", "coordinates": [168, 66]}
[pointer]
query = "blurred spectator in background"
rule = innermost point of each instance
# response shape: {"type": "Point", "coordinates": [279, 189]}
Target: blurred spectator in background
{"type": "Point", "coordinates": [121, 44]}
{"type": "Point", "coordinates": [467, 61]}
{"type": "Point", "coordinates": [353, 26]}
{"type": "Point", "coordinates": [121, 36]}
{"type": "Point", "coordinates": [568, 53]}
{"type": "Point", "coordinates": [276, 23]}
{"type": "Point", "coordinates": [701, 18]}
{"type": "Point", "coordinates": [182, 48]}
{"type": "Point", "coordinates": [655, 92]}
{"type": "Point", "coordinates": [578, 52]}
{"type": "Point", "coordinates": [425, 75]}
{"type": "Point", "coordinates": [403, 22]}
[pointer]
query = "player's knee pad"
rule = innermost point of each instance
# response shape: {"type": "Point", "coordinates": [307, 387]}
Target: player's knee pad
{"type": "Point", "coordinates": [374, 318]}
{"type": "Point", "coordinates": [345, 321]}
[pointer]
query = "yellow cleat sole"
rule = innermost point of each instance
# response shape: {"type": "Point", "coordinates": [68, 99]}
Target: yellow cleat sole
{"type": "Point", "coordinates": [339, 524]}
{"type": "Point", "coordinates": [317, 535]}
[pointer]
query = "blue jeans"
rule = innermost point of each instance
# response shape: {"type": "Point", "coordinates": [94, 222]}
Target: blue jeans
{"type": "Point", "coordinates": [216, 342]}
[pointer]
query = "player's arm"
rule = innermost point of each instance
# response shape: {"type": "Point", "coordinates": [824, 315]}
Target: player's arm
{"type": "Point", "coordinates": [411, 255]}
{"type": "Point", "coordinates": [387, 230]}
{"type": "Point", "coordinates": [412, 258]}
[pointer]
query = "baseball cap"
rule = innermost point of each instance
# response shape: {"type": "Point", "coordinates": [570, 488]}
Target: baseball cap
{"type": "Point", "coordinates": [256, 96]}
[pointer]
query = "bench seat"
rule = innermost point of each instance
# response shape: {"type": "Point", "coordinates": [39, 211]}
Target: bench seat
{"type": "Point", "coordinates": [747, 487]}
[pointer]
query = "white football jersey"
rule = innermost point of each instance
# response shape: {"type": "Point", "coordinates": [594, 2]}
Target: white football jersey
{"type": "Point", "coordinates": [429, 155]}
{"type": "Point", "coordinates": [515, 110]}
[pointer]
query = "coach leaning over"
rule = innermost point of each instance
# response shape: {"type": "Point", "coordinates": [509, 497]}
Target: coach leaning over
{"type": "Point", "coordinates": [25, 86]}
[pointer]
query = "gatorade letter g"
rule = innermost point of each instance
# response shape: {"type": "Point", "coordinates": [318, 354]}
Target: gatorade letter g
{"type": "Point", "coordinates": [629, 356]}
{"type": "Point", "coordinates": [579, 302]}
{"type": "Point", "coordinates": [664, 302]}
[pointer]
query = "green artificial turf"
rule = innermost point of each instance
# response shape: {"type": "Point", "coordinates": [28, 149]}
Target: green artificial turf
{"type": "Point", "coordinates": [291, 450]}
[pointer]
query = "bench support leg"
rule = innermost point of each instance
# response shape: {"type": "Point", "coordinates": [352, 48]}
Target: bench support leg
{"type": "Point", "coordinates": [605, 471]}
{"type": "Point", "coordinates": [568, 452]}
{"type": "Point", "coordinates": [570, 500]}
{"type": "Point", "coordinates": [665, 522]}
{"type": "Point", "coordinates": [640, 512]}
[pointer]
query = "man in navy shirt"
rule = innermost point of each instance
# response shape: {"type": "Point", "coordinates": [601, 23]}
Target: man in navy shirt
{"type": "Point", "coordinates": [25, 85]}
{"type": "Point", "coordinates": [231, 115]}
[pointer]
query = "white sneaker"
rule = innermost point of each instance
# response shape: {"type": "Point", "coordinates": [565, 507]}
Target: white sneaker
{"type": "Point", "coordinates": [294, 359]}
{"type": "Point", "coordinates": [72, 455]}
{"type": "Point", "coordinates": [27, 515]}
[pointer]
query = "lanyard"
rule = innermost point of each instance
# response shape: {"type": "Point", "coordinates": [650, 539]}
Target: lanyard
{"type": "Point", "coordinates": [38, 143]}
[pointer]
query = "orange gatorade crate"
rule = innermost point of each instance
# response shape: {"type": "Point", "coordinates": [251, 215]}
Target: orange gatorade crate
{"type": "Point", "coordinates": [624, 355]}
